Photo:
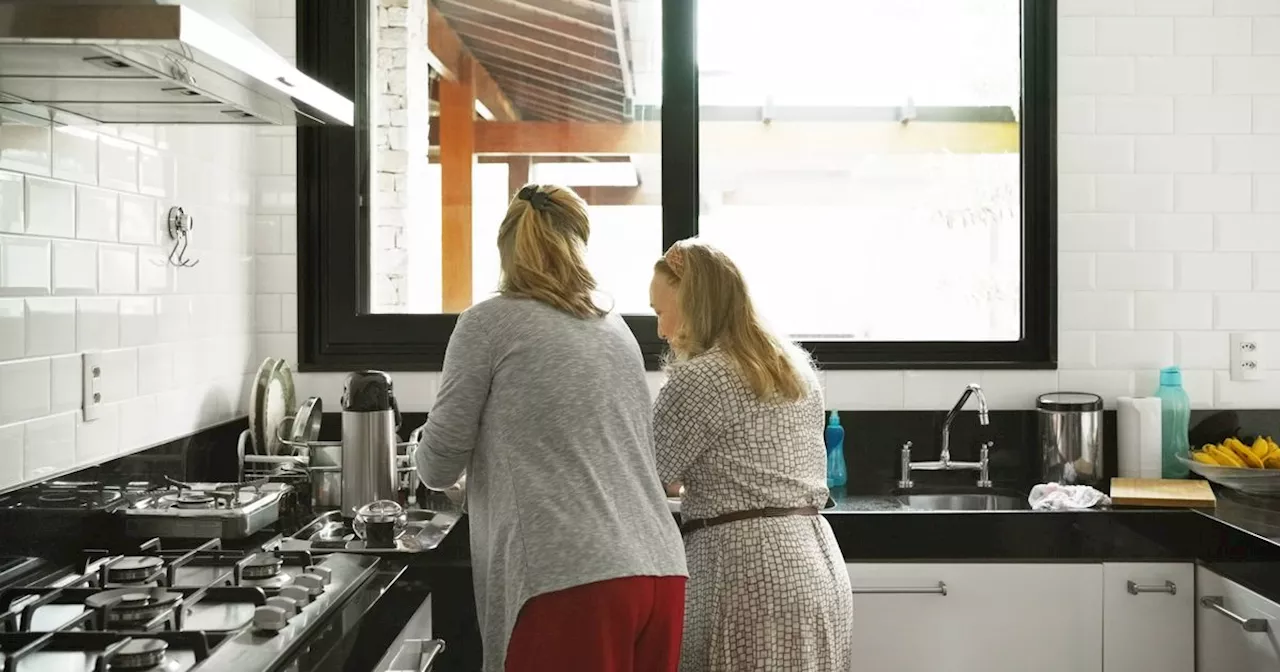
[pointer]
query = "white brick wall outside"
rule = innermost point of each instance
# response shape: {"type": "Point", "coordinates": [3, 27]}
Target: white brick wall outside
{"type": "Point", "coordinates": [1170, 228]}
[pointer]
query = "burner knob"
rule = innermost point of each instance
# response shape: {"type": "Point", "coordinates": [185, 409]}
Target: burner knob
{"type": "Point", "coordinates": [298, 594]}
{"type": "Point", "coordinates": [325, 574]}
{"type": "Point", "coordinates": [288, 604]}
{"type": "Point", "coordinates": [314, 584]}
{"type": "Point", "coordinates": [270, 619]}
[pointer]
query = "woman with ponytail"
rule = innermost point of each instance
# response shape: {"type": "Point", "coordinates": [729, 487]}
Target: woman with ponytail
{"type": "Point", "coordinates": [739, 424]}
{"type": "Point", "coordinates": [577, 560]}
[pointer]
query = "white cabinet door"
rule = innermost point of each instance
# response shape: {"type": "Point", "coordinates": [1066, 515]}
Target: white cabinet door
{"type": "Point", "coordinates": [1236, 628]}
{"type": "Point", "coordinates": [977, 617]}
{"type": "Point", "coordinates": [1148, 617]}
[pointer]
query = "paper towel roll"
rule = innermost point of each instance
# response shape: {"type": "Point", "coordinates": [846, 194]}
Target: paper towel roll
{"type": "Point", "coordinates": [1138, 435]}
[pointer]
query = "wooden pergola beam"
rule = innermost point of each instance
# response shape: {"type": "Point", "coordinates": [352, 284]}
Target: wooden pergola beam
{"type": "Point", "coordinates": [790, 138]}
{"type": "Point", "coordinates": [449, 56]}
{"type": "Point", "coordinates": [457, 157]}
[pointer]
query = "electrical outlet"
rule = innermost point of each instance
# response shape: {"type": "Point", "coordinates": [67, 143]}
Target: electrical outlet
{"type": "Point", "coordinates": [1247, 357]}
{"type": "Point", "coordinates": [91, 365]}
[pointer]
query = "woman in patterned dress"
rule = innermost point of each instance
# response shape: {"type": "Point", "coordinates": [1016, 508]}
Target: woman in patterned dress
{"type": "Point", "coordinates": [739, 424]}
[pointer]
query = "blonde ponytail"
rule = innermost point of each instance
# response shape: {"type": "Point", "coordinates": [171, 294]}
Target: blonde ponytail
{"type": "Point", "coordinates": [542, 245]}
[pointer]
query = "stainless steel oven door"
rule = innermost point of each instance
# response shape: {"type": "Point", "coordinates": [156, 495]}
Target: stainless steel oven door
{"type": "Point", "coordinates": [415, 650]}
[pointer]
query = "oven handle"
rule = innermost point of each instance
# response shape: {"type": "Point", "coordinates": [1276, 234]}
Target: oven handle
{"type": "Point", "coordinates": [423, 650]}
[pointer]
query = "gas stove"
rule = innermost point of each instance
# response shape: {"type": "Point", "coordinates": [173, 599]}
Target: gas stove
{"type": "Point", "coordinates": [206, 608]}
{"type": "Point", "coordinates": [204, 510]}
{"type": "Point", "coordinates": [65, 496]}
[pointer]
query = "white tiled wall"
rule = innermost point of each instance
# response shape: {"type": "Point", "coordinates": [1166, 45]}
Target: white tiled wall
{"type": "Point", "coordinates": [83, 267]}
{"type": "Point", "coordinates": [1169, 235]}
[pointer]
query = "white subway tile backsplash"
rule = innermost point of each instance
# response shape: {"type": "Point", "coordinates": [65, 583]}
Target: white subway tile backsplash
{"type": "Point", "coordinates": [1077, 270]}
{"type": "Point", "coordinates": [117, 269]}
{"type": "Point", "coordinates": [154, 173]}
{"type": "Point", "coordinates": [97, 324]}
{"type": "Point", "coordinates": [1096, 310]}
{"type": "Point", "coordinates": [1266, 273]}
{"type": "Point", "coordinates": [24, 144]}
{"type": "Point", "coordinates": [289, 313]}
{"type": "Point", "coordinates": [1253, 394]}
{"type": "Point", "coordinates": [24, 390]}
{"type": "Point", "coordinates": [1215, 271]}
{"type": "Point", "coordinates": [1135, 270]}
{"type": "Point", "coordinates": [927, 390]}
{"type": "Point", "coordinates": [155, 274]}
{"type": "Point", "coordinates": [1095, 233]}
{"type": "Point", "coordinates": [1076, 350]}
{"type": "Point", "coordinates": [1173, 232]}
{"type": "Point", "coordinates": [1134, 349]}
{"type": "Point", "coordinates": [51, 327]}
{"type": "Point", "coordinates": [1016, 390]}
{"type": "Point", "coordinates": [1213, 193]}
{"type": "Point", "coordinates": [50, 445]}
{"type": "Point", "coordinates": [1266, 36]}
{"type": "Point", "coordinates": [118, 164]}
{"type": "Point", "coordinates": [1213, 36]}
{"type": "Point", "coordinates": [277, 273]}
{"type": "Point", "coordinates": [12, 448]}
{"type": "Point", "coordinates": [75, 154]}
{"type": "Point", "coordinates": [1107, 384]}
{"type": "Point", "coordinates": [1266, 114]}
{"type": "Point", "coordinates": [1266, 193]}
{"type": "Point", "coordinates": [1175, 7]}
{"type": "Point", "coordinates": [1134, 114]}
{"type": "Point", "coordinates": [13, 329]}
{"type": "Point", "coordinates": [1202, 350]}
{"type": "Point", "coordinates": [1245, 7]}
{"type": "Point", "coordinates": [1095, 7]}
{"type": "Point", "coordinates": [1135, 193]}
{"type": "Point", "coordinates": [1247, 154]}
{"type": "Point", "coordinates": [1173, 154]}
{"type": "Point", "coordinates": [138, 324]}
{"type": "Point", "coordinates": [1077, 114]}
{"type": "Point", "coordinates": [12, 202]}
{"type": "Point", "coordinates": [268, 313]}
{"type": "Point", "coordinates": [97, 214]}
{"type": "Point", "coordinates": [24, 266]}
{"type": "Point", "coordinates": [138, 220]}
{"type": "Point", "coordinates": [155, 369]}
{"type": "Point", "coordinates": [1246, 75]}
{"type": "Point", "coordinates": [1095, 154]}
{"type": "Point", "coordinates": [1096, 75]}
{"type": "Point", "coordinates": [137, 423]}
{"type": "Point", "coordinates": [51, 209]}
{"type": "Point", "coordinates": [1247, 232]}
{"type": "Point", "coordinates": [119, 375]}
{"type": "Point", "coordinates": [289, 233]}
{"type": "Point", "coordinates": [1173, 75]}
{"type": "Point", "coordinates": [1173, 310]}
{"type": "Point", "coordinates": [1213, 114]}
{"type": "Point", "coordinates": [75, 267]}
{"type": "Point", "coordinates": [1134, 36]}
{"type": "Point", "coordinates": [99, 439]}
{"type": "Point", "coordinates": [65, 384]}
{"type": "Point", "coordinates": [1251, 311]}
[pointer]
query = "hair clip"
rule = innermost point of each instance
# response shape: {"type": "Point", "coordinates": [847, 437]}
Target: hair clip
{"type": "Point", "coordinates": [538, 199]}
{"type": "Point", "coordinates": [675, 260]}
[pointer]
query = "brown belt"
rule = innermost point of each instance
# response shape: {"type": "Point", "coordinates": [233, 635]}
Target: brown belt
{"type": "Point", "coordinates": [691, 526]}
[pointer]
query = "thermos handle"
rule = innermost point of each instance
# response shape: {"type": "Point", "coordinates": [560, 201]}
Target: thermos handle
{"type": "Point", "coordinates": [395, 408]}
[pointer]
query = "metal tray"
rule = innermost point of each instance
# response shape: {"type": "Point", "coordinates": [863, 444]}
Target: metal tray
{"type": "Point", "coordinates": [331, 532]}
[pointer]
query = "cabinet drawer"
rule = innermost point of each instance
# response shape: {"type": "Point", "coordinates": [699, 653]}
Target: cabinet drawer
{"type": "Point", "coordinates": [1148, 617]}
{"type": "Point", "coordinates": [976, 617]}
{"type": "Point", "coordinates": [1236, 628]}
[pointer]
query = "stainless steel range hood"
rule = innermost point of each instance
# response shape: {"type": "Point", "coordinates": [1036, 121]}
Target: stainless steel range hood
{"type": "Point", "coordinates": [152, 62]}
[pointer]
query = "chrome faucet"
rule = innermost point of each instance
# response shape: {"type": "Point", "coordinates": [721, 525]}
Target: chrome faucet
{"type": "Point", "coordinates": [944, 462]}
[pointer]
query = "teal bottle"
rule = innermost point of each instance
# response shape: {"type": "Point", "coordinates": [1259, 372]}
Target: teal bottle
{"type": "Point", "coordinates": [1175, 422]}
{"type": "Point", "coordinates": [837, 473]}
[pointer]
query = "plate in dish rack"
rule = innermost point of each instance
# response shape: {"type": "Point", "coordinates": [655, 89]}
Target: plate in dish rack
{"type": "Point", "coordinates": [272, 398]}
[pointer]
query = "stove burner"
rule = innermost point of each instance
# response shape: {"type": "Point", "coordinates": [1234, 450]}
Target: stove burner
{"type": "Point", "coordinates": [131, 606]}
{"type": "Point", "coordinates": [262, 566]}
{"type": "Point", "coordinates": [140, 654]}
{"type": "Point", "coordinates": [133, 569]}
{"type": "Point", "coordinates": [58, 497]}
{"type": "Point", "coordinates": [193, 499]}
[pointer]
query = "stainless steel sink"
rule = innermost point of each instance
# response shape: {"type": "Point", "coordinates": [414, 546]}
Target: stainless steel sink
{"type": "Point", "coordinates": [963, 502]}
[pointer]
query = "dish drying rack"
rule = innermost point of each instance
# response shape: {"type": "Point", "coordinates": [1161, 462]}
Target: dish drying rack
{"type": "Point", "coordinates": [296, 468]}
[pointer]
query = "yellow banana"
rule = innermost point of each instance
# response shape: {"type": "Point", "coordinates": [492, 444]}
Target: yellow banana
{"type": "Point", "coordinates": [1260, 447]}
{"type": "Point", "coordinates": [1272, 461]}
{"type": "Point", "coordinates": [1246, 456]}
{"type": "Point", "coordinates": [1226, 457]}
{"type": "Point", "coordinates": [1203, 457]}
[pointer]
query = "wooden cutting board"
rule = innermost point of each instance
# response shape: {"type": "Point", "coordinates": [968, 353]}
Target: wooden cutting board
{"type": "Point", "coordinates": [1179, 493]}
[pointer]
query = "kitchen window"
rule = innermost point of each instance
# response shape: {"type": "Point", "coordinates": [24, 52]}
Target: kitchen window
{"type": "Point", "coordinates": [883, 170]}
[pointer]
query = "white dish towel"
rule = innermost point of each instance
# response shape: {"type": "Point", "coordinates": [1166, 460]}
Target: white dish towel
{"type": "Point", "coordinates": [1058, 497]}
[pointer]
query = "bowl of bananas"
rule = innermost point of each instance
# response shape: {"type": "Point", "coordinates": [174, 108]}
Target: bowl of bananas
{"type": "Point", "coordinates": [1251, 468]}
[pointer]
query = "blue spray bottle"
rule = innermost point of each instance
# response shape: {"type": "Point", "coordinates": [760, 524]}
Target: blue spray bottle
{"type": "Point", "coordinates": [837, 474]}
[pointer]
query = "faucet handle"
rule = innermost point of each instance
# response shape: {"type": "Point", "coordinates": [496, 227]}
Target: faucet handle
{"type": "Point", "coordinates": [904, 480]}
{"type": "Point", "coordinates": [984, 464]}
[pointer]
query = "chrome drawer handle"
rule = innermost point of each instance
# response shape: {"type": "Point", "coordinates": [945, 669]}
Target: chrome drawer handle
{"type": "Point", "coordinates": [940, 589]}
{"type": "Point", "coordinates": [1168, 587]}
{"type": "Point", "coordinates": [1248, 624]}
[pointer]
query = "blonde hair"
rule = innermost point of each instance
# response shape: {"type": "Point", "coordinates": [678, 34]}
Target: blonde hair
{"type": "Point", "coordinates": [717, 312]}
{"type": "Point", "coordinates": [542, 248]}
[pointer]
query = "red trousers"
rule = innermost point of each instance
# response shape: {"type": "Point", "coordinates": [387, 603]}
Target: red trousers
{"type": "Point", "coordinates": [622, 625]}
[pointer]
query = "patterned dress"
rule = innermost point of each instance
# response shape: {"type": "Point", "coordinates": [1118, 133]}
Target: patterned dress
{"type": "Point", "coordinates": [767, 594]}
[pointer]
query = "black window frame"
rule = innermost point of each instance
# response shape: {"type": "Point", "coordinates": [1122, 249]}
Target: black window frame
{"type": "Point", "coordinates": [337, 332]}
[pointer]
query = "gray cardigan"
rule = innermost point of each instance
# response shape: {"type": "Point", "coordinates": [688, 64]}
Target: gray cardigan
{"type": "Point", "coordinates": [550, 417]}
